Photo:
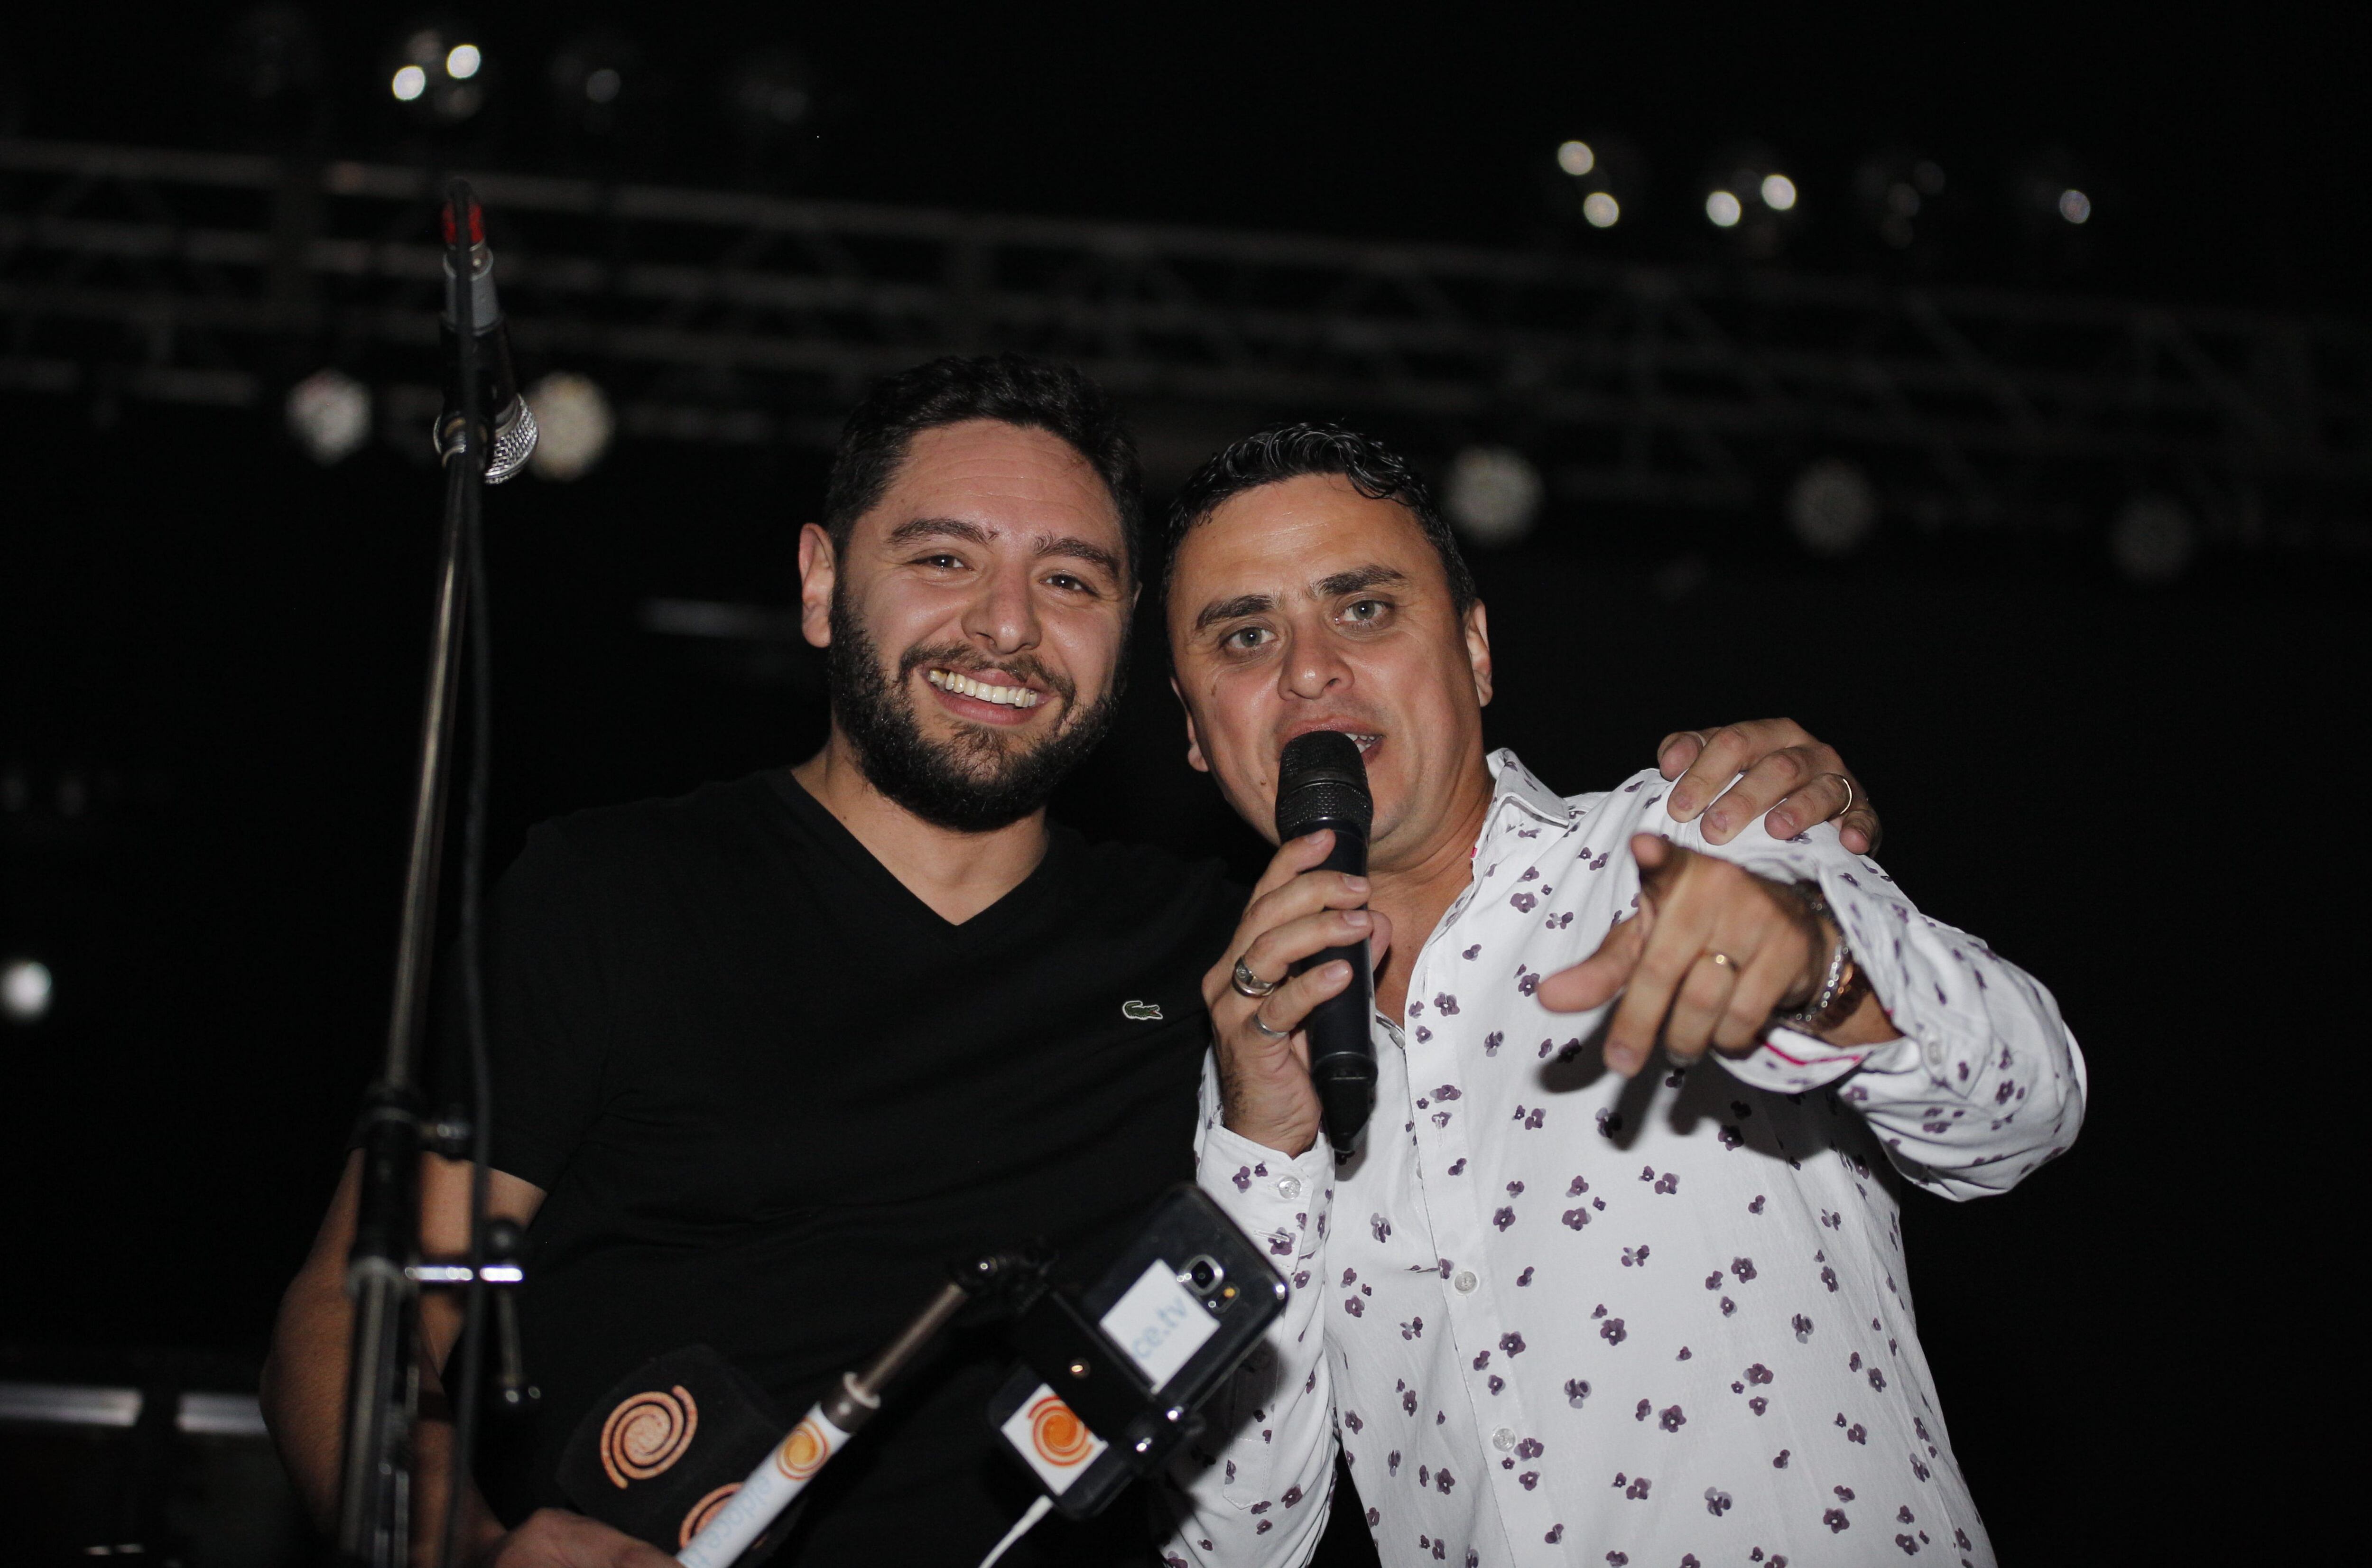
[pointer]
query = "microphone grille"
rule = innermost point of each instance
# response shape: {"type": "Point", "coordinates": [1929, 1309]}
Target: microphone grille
{"type": "Point", "coordinates": [514, 444]}
{"type": "Point", "coordinates": [1322, 781]}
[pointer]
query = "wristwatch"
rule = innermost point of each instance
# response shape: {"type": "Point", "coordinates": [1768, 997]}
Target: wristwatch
{"type": "Point", "coordinates": [1842, 986]}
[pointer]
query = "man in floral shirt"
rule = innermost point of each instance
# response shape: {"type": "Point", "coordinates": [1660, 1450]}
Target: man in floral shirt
{"type": "Point", "coordinates": [1567, 1302]}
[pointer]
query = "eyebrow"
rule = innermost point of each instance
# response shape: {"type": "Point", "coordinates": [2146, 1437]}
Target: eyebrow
{"type": "Point", "coordinates": [1234, 609]}
{"type": "Point", "coordinates": [1333, 586]}
{"type": "Point", "coordinates": [1358, 577]}
{"type": "Point", "coordinates": [1083, 550]}
{"type": "Point", "coordinates": [937, 528]}
{"type": "Point", "coordinates": [915, 528]}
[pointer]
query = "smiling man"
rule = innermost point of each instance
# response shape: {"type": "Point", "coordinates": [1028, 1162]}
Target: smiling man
{"type": "Point", "coordinates": [770, 1056]}
{"type": "Point", "coordinates": [1561, 1306]}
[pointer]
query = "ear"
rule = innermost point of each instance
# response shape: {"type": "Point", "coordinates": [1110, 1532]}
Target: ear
{"type": "Point", "coordinates": [1478, 651]}
{"type": "Point", "coordinates": [818, 572]}
{"type": "Point", "coordinates": [1195, 757]}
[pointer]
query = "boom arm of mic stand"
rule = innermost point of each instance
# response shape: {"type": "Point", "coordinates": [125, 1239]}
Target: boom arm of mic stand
{"type": "Point", "coordinates": [374, 1492]}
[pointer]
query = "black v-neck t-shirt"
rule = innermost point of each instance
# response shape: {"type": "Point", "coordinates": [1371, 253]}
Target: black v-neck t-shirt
{"type": "Point", "coordinates": [771, 1095]}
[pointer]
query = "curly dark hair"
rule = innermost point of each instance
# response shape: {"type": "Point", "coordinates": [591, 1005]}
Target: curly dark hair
{"type": "Point", "coordinates": [1289, 451]}
{"type": "Point", "coordinates": [1037, 394]}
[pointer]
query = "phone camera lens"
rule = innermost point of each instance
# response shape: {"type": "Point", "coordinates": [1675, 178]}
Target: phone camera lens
{"type": "Point", "coordinates": [1204, 1274]}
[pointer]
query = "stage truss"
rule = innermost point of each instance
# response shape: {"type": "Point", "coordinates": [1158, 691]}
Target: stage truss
{"type": "Point", "coordinates": [717, 317]}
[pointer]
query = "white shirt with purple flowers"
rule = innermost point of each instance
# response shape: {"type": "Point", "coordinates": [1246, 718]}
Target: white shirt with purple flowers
{"type": "Point", "coordinates": [1553, 1316]}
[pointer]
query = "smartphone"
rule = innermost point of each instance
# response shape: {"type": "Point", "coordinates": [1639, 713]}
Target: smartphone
{"type": "Point", "coordinates": [1183, 1306]}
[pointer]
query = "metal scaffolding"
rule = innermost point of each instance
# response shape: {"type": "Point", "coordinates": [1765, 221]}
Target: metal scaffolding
{"type": "Point", "coordinates": [720, 316]}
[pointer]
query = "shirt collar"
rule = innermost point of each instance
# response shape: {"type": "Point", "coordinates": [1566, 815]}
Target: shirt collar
{"type": "Point", "coordinates": [1513, 781]}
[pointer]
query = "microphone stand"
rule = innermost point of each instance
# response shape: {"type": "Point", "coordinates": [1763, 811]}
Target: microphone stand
{"type": "Point", "coordinates": [383, 1271]}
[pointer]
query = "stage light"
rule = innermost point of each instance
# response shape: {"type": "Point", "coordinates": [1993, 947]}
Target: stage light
{"type": "Point", "coordinates": [2152, 539]}
{"type": "Point", "coordinates": [1894, 198]}
{"type": "Point", "coordinates": [1751, 198]}
{"type": "Point", "coordinates": [1594, 184]}
{"type": "Point", "coordinates": [1833, 507]}
{"type": "Point", "coordinates": [598, 82]}
{"type": "Point", "coordinates": [26, 988]}
{"type": "Point", "coordinates": [1494, 495]}
{"type": "Point", "coordinates": [573, 425]}
{"type": "Point", "coordinates": [2058, 201]}
{"type": "Point", "coordinates": [440, 74]}
{"type": "Point", "coordinates": [273, 61]}
{"type": "Point", "coordinates": [769, 94]}
{"type": "Point", "coordinates": [329, 414]}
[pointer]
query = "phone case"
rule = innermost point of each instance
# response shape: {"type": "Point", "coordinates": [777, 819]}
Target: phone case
{"type": "Point", "coordinates": [1185, 1303]}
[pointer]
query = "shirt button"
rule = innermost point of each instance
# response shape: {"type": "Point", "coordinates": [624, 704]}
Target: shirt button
{"type": "Point", "coordinates": [1288, 1187]}
{"type": "Point", "coordinates": [1465, 1280]}
{"type": "Point", "coordinates": [1504, 1440]}
{"type": "Point", "coordinates": [1935, 1053]}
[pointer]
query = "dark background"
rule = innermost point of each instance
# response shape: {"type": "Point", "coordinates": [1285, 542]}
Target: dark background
{"type": "Point", "coordinates": [210, 658]}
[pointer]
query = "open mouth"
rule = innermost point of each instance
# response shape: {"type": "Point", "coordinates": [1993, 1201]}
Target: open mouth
{"type": "Point", "coordinates": [1366, 741]}
{"type": "Point", "coordinates": [985, 691]}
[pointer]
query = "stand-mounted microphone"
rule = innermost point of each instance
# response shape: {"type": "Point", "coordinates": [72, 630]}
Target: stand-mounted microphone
{"type": "Point", "coordinates": [1322, 783]}
{"type": "Point", "coordinates": [514, 424]}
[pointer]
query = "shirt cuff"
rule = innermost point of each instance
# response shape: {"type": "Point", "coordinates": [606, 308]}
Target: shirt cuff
{"type": "Point", "coordinates": [1280, 1202]}
{"type": "Point", "coordinates": [1787, 1063]}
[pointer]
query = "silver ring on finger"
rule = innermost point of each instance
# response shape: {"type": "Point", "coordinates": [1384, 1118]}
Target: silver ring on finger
{"type": "Point", "coordinates": [1849, 792]}
{"type": "Point", "coordinates": [1249, 984]}
{"type": "Point", "coordinates": [1723, 961]}
{"type": "Point", "coordinates": [1262, 1023]}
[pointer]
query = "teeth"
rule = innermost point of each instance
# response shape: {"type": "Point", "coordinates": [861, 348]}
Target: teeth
{"type": "Point", "coordinates": [965, 686]}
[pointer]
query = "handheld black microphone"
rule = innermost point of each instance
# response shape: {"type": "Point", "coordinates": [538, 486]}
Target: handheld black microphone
{"type": "Point", "coordinates": [513, 423]}
{"type": "Point", "coordinates": [1322, 783]}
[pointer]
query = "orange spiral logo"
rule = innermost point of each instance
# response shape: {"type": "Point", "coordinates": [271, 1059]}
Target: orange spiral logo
{"type": "Point", "coordinates": [803, 1452]}
{"type": "Point", "coordinates": [703, 1511]}
{"type": "Point", "coordinates": [1056, 1432]}
{"type": "Point", "coordinates": [647, 1434]}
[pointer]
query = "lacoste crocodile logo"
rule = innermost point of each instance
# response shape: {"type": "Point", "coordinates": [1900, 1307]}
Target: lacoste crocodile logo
{"type": "Point", "coordinates": [1141, 1011]}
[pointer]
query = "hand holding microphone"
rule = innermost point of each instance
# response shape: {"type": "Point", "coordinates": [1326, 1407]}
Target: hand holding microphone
{"type": "Point", "coordinates": [1290, 1001]}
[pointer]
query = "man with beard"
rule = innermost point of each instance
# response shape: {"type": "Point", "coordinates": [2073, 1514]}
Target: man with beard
{"type": "Point", "coordinates": [767, 1057]}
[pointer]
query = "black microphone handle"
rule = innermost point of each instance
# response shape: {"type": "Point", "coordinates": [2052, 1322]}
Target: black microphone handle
{"type": "Point", "coordinates": [1342, 1044]}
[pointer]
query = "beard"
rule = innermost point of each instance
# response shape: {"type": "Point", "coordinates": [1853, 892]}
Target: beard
{"type": "Point", "coordinates": [980, 780]}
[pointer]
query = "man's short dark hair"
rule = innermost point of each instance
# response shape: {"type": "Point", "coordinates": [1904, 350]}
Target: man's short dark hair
{"type": "Point", "coordinates": [1289, 451]}
{"type": "Point", "coordinates": [1036, 394]}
